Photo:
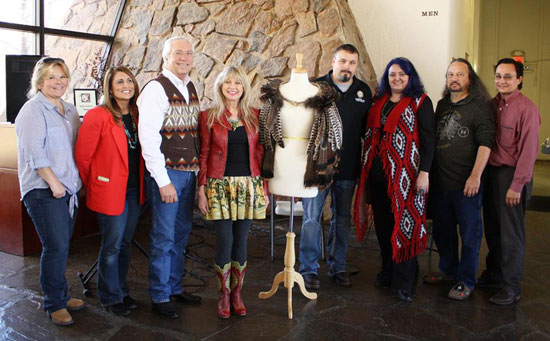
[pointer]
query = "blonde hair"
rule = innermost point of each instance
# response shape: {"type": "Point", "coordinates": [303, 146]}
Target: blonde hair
{"type": "Point", "coordinates": [43, 68]}
{"type": "Point", "coordinates": [245, 110]}
{"type": "Point", "coordinates": [109, 101]}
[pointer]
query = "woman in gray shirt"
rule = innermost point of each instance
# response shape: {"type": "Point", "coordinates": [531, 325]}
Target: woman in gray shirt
{"type": "Point", "coordinates": [46, 129]}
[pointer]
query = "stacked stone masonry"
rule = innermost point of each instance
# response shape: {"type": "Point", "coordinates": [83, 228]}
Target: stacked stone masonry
{"type": "Point", "coordinates": [262, 36]}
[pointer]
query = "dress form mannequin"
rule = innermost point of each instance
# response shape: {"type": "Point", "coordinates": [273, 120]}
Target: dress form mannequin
{"type": "Point", "coordinates": [289, 168]}
{"type": "Point", "coordinates": [296, 121]}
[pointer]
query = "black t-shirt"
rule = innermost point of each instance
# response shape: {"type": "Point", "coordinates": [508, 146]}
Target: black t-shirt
{"type": "Point", "coordinates": [460, 129]}
{"type": "Point", "coordinates": [238, 160]}
{"type": "Point", "coordinates": [133, 150]}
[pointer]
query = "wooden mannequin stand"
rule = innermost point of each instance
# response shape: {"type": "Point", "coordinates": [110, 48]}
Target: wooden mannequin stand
{"type": "Point", "coordinates": [288, 275]}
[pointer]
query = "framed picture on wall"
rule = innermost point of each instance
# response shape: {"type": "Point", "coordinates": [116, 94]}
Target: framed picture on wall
{"type": "Point", "coordinates": [84, 99]}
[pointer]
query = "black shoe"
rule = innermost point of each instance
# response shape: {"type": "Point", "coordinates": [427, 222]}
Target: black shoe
{"type": "Point", "coordinates": [382, 281]}
{"type": "Point", "coordinates": [488, 280]}
{"type": "Point", "coordinates": [119, 309]}
{"type": "Point", "coordinates": [187, 298]}
{"type": "Point", "coordinates": [129, 302]}
{"type": "Point", "coordinates": [403, 295]}
{"type": "Point", "coordinates": [342, 279]}
{"type": "Point", "coordinates": [505, 296]}
{"type": "Point", "coordinates": [312, 281]}
{"type": "Point", "coordinates": [166, 309]}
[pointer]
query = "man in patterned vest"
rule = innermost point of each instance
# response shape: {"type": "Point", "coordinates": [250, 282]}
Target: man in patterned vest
{"type": "Point", "coordinates": [169, 136]}
{"type": "Point", "coordinates": [464, 138]}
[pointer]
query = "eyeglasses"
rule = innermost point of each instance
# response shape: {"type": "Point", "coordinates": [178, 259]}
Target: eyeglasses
{"type": "Point", "coordinates": [506, 77]}
{"type": "Point", "coordinates": [49, 60]}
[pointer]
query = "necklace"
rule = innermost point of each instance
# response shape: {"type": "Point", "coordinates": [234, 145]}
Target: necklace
{"type": "Point", "coordinates": [132, 137]}
{"type": "Point", "coordinates": [234, 123]}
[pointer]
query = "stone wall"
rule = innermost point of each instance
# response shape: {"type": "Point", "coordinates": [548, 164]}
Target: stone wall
{"type": "Point", "coordinates": [262, 36]}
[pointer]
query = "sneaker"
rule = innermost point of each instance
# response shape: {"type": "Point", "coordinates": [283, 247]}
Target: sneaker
{"type": "Point", "coordinates": [119, 309]}
{"type": "Point", "coordinates": [460, 292]}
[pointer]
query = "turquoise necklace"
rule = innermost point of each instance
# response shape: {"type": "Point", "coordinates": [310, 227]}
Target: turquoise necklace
{"type": "Point", "coordinates": [234, 123]}
{"type": "Point", "coordinates": [132, 137]}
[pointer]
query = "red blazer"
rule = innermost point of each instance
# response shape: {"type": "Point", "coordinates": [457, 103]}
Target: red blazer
{"type": "Point", "coordinates": [213, 156]}
{"type": "Point", "coordinates": [101, 155]}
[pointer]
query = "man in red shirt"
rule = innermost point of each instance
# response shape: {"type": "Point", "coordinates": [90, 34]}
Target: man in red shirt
{"type": "Point", "coordinates": [509, 182]}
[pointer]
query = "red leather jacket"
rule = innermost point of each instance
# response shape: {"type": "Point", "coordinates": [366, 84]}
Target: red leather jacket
{"type": "Point", "coordinates": [213, 156]}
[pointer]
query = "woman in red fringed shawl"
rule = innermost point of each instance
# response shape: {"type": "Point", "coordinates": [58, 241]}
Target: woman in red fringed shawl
{"type": "Point", "coordinates": [397, 156]}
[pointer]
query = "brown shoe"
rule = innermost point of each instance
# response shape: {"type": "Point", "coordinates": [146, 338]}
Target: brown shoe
{"type": "Point", "coordinates": [74, 304]}
{"type": "Point", "coordinates": [61, 317]}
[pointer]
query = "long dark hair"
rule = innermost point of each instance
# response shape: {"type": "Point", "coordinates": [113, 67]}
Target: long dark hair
{"type": "Point", "coordinates": [109, 101]}
{"type": "Point", "coordinates": [415, 88]}
{"type": "Point", "coordinates": [476, 89]}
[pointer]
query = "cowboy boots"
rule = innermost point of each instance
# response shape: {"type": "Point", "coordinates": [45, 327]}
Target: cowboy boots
{"type": "Point", "coordinates": [237, 279]}
{"type": "Point", "coordinates": [223, 276]}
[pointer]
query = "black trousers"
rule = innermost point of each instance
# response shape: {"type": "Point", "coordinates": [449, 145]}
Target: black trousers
{"type": "Point", "coordinates": [504, 226]}
{"type": "Point", "coordinates": [231, 241]}
{"type": "Point", "coordinates": [402, 275]}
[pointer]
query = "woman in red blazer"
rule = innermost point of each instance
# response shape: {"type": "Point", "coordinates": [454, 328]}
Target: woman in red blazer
{"type": "Point", "coordinates": [231, 191]}
{"type": "Point", "coordinates": [108, 157]}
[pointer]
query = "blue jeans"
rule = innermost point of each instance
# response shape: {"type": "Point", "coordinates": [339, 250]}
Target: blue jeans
{"type": "Point", "coordinates": [117, 232]}
{"type": "Point", "coordinates": [310, 237]}
{"type": "Point", "coordinates": [55, 228]}
{"type": "Point", "coordinates": [169, 235]}
{"type": "Point", "coordinates": [449, 209]}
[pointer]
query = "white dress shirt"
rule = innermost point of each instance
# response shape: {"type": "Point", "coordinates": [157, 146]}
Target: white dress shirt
{"type": "Point", "coordinates": [153, 105]}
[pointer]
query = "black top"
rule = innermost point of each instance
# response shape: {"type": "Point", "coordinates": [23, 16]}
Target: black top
{"type": "Point", "coordinates": [426, 130]}
{"type": "Point", "coordinates": [353, 106]}
{"type": "Point", "coordinates": [133, 153]}
{"type": "Point", "coordinates": [238, 160]}
{"type": "Point", "coordinates": [460, 129]}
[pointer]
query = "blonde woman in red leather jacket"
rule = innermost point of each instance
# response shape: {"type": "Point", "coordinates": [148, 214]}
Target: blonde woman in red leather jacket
{"type": "Point", "coordinates": [231, 191]}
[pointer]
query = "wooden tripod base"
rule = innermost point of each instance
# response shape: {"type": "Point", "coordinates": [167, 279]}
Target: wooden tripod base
{"type": "Point", "coordinates": [288, 276]}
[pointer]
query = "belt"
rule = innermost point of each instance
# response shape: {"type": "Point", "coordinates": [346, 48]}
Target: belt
{"type": "Point", "coordinates": [295, 138]}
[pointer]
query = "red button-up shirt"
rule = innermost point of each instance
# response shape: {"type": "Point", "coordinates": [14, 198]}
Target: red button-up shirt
{"type": "Point", "coordinates": [517, 136]}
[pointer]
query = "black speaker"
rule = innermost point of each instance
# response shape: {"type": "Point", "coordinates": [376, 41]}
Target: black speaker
{"type": "Point", "coordinates": [18, 81]}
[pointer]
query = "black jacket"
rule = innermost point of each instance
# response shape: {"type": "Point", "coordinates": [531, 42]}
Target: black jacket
{"type": "Point", "coordinates": [353, 107]}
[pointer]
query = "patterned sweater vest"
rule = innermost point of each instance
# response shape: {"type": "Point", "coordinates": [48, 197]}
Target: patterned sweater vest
{"type": "Point", "coordinates": [180, 129]}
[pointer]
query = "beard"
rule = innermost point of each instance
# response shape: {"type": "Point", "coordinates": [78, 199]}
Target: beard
{"type": "Point", "coordinates": [455, 89]}
{"type": "Point", "coordinates": [344, 76]}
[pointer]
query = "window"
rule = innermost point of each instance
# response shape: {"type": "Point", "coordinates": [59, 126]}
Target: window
{"type": "Point", "coordinates": [94, 17]}
{"type": "Point", "coordinates": [80, 32]}
{"type": "Point", "coordinates": [18, 12]}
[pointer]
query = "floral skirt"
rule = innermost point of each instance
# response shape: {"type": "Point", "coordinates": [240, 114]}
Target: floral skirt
{"type": "Point", "coordinates": [235, 197]}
